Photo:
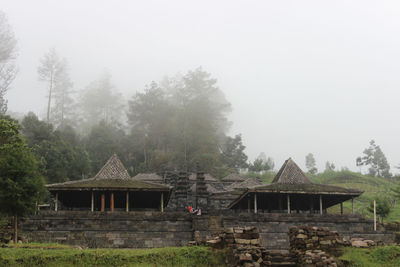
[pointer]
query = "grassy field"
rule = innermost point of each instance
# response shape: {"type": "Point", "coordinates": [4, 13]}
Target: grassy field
{"type": "Point", "coordinates": [59, 255]}
{"type": "Point", "coordinates": [388, 256]}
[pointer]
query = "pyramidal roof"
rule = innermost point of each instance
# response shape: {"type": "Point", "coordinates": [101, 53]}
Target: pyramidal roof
{"type": "Point", "coordinates": [234, 177]}
{"type": "Point", "coordinates": [290, 173]}
{"type": "Point", "coordinates": [113, 169]}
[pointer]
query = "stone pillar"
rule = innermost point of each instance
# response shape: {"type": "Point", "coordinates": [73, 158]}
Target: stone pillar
{"type": "Point", "coordinates": [56, 204]}
{"type": "Point", "coordinates": [103, 202]}
{"type": "Point", "coordinates": [92, 202]}
{"type": "Point", "coordinates": [248, 204]}
{"type": "Point", "coordinates": [181, 192]}
{"type": "Point", "coordinates": [201, 194]}
{"type": "Point", "coordinates": [288, 204]}
{"type": "Point", "coordinates": [320, 204]}
{"type": "Point", "coordinates": [255, 202]}
{"type": "Point", "coordinates": [112, 202]}
{"type": "Point", "coordinates": [127, 202]}
{"type": "Point", "coordinates": [162, 202]}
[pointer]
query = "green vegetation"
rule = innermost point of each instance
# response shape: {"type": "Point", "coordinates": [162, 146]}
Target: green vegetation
{"type": "Point", "coordinates": [373, 187]}
{"type": "Point", "coordinates": [56, 255]}
{"type": "Point", "coordinates": [379, 256]}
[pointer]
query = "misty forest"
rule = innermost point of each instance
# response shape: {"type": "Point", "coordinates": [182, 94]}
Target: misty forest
{"type": "Point", "coordinates": [266, 89]}
{"type": "Point", "coordinates": [171, 124]}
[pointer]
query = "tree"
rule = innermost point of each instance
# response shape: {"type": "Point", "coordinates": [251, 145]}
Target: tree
{"type": "Point", "coordinates": [8, 69]}
{"type": "Point", "coordinates": [382, 208]}
{"type": "Point", "coordinates": [51, 71]}
{"type": "Point", "coordinates": [60, 153]}
{"type": "Point", "coordinates": [262, 164]}
{"type": "Point", "coordinates": [63, 110]}
{"type": "Point", "coordinates": [99, 103]}
{"type": "Point", "coordinates": [376, 160]}
{"type": "Point", "coordinates": [21, 185]}
{"type": "Point", "coordinates": [232, 153]}
{"type": "Point", "coordinates": [310, 163]}
{"type": "Point", "coordinates": [329, 166]}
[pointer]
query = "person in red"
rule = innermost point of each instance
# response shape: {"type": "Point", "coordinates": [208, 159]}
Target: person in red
{"type": "Point", "coordinates": [190, 209]}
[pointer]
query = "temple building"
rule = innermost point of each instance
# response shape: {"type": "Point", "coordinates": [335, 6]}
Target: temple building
{"type": "Point", "coordinates": [111, 189]}
{"type": "Point", "coordinates": [292, 191]}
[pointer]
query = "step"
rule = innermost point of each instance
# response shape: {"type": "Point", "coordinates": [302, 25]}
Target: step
{"type": "Point", "coordinates": [283, 264]}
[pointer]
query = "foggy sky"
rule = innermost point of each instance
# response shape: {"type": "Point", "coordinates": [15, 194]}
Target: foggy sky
{"type": "Point", "coordinates": [302, 76]}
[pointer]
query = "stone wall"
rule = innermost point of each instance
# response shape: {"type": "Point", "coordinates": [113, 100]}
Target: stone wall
{"type": "Point", "coordinates": [105, 229]}
{"type": "Point", "coordinates": [274, 227]}
{"type": "Point", "coordinates": [156, 229]}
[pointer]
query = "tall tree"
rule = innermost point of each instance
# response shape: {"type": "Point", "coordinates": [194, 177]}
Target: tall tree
{"type": "Point", "coordinates": [8, 68]}
{"type": "Point", "coordinates": [51, 70]}
{"type": "Point", "coordinates": [376, 160]}
{"type": "Point", "coordinates": [262, 164]}
{"type": "Point", "coordinates": [99, 102]}
{"type": "Point", "coordinates": [329, 166]}
{"type": "Point", "coordinates": [63, 111]}
{"type": "Point", "coordinates": [232, 153]}
{"type": "Point", "coordinates": [310, 164]}
{"type": "Point", "coordinates": [21, 185]}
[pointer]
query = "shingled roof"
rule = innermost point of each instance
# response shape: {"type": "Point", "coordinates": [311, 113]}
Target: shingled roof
{"type": "Point", "coordinates": [112, 175]}
{"type": "Point", "coordinates": [248, 183]}
{"type": "Point", "coordinates": [148, 177]}
{"type": "Point", "coordinates": [290, 173]}
{"type": "Point", "coordinates": [113, 169]}
{"type": "Point", "coordinates": [233, 177]}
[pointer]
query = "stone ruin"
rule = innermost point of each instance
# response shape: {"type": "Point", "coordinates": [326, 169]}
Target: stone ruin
{"type": "Point", "coordinates": [309, 246]}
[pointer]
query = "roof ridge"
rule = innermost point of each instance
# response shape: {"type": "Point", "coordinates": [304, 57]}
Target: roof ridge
{"type": "Point", "coordinates": [290, 173]}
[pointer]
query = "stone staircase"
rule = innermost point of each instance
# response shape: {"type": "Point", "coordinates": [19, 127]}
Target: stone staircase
{"type": "Point", "coordinates": [279, 258]}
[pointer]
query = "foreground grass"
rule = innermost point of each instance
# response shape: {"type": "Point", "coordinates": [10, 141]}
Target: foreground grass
{"type": "Point", "coordinates": [387, 256]}
{"type": "Point", "coordinates": [53, 255]}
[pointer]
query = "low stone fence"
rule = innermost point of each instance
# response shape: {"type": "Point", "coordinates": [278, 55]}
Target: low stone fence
{"type": "Point", "coordinates": [274, 227]}
{"type": "Point", "coordinates": [155, 229]}
{"type": "Point", "coordinates": [106, 229]}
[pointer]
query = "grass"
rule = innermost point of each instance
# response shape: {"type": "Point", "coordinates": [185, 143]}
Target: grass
{"type": "Point", "coordinates": [58, 255]}
{"type": "Point", "coordinates": [388, 256]}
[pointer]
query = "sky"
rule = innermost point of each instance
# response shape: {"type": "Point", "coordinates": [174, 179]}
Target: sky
{"type": "Point", "coordinates": [303, 77]}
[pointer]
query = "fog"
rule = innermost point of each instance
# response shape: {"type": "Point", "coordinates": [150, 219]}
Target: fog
{"type": "Point", "coordinates": [302, 76]}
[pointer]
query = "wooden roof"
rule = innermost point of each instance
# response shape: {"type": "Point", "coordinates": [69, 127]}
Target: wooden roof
{"type": "Point", "coordinates": [233, 177]}
{"type": "Point", "coordinates": [290, 173]}
{"type": "Point", "coordinates": [290, 179]}
{"type": "Point", "coordinates": [248, 183]}
{"type": "Point", "coordinates": [148, 177]}
{"type": "Point", "coordinates": [112, 175]}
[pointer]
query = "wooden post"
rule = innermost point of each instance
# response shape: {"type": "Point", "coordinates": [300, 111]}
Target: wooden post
{"type": "Point", "coordinates": [56, 204]}
{"type": "Point", "coordinates": [311, 205]}
{"type": "Point", "coordinates": [320, 204]}
{"type": "Point", "coordinates": [288, 204]}
{"type": "Point", "coordinates": [248, 205]}
{"type": "Point", "coordinates": [127, 202]}
{"type": "Point", "coordinates": [352, 205]}
{"type": "Point", "coordinates": [103, 202]}
{"type": "Point", "coordinates": [341, 208]}
{"type": "Point", "coordinates": [15, 229]}
{"type": "Point", "coordinates": [280, 203]}
{"type": "Point", "coordinates": [112, 202]}
{"type": "Point", "coordinates": [255, 202]}
{"type": "Point", "coordinates": [374, 215]}
{"type": "Point", "coordinates": [162, 202]}
{"type": "Point", "coordinates": [92, 203]}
